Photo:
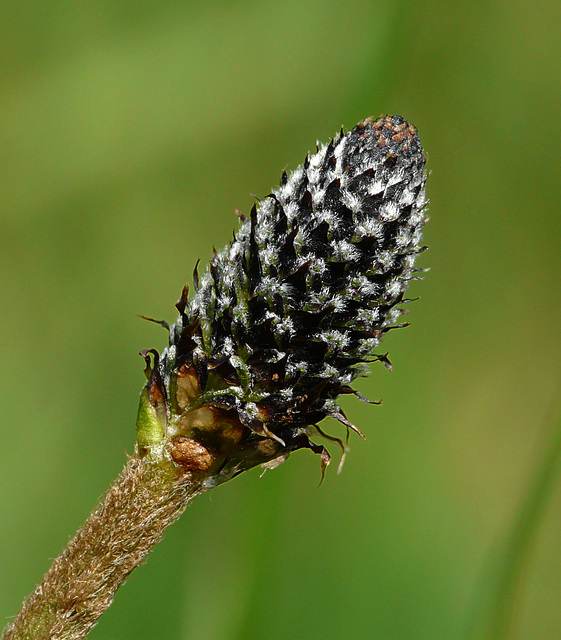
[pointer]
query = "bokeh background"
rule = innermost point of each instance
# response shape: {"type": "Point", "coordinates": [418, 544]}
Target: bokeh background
{"type": "Point", "coordinates": [129, 132]}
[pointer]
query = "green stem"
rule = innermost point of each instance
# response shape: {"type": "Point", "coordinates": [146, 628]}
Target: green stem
{"type": "Point", "coordinates": [497, 622]}
{"type": "Point", "coordinates": [81, 583]}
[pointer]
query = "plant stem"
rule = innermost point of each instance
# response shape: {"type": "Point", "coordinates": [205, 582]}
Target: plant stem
{"type": "Point", "coordinates": [80, 585]}
{"type": "Point", "coordinates": [494, 613]}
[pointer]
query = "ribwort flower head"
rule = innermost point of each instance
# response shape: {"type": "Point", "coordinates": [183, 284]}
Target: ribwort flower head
{"type": "Point", "coordinates": [290, 312]}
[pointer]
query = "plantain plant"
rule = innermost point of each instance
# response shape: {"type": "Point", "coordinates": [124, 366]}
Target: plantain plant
{"type": "Point", "coordinates": [281, 322]}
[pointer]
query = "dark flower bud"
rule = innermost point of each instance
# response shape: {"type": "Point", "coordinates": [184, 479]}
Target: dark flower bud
{"type": "Point", "coordinates": [292, 310]}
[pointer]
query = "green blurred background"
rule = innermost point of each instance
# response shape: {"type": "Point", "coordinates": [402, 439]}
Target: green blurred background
{"type": "Point", "coordinates": [129, 133]}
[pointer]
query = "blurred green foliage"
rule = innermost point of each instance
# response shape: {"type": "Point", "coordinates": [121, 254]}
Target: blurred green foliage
{"type": "Point", "coordinates": [129, 133]}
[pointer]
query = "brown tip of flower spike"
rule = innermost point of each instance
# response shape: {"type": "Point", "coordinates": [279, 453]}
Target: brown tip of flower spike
{"type": "Point", "coordinates": [290, 312]}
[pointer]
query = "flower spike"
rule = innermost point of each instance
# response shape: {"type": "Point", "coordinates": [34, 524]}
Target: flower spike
{"type": "Point", "coordinates": [287, 315]}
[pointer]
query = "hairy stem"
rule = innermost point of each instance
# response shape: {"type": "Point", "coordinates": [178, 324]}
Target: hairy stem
{"type": "Point", "coordinates": [80, 585]}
